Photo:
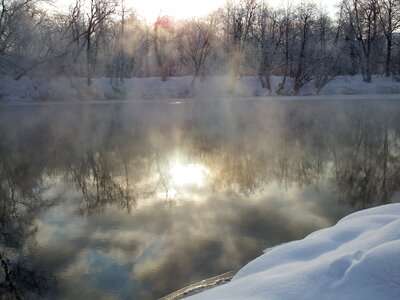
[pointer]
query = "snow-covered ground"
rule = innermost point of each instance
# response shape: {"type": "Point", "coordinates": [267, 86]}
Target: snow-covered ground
{"type": "Point", "coordinates": [76, 89]}
{"type": "Point", "coordinates": [357, 259]}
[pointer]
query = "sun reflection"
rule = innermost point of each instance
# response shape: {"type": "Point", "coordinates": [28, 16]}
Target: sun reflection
{"type": "Point", "coordinates": [187, 174]}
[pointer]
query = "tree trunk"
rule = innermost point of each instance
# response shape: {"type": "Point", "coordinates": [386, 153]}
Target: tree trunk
{"type": "Point", "coordinates": [388, 55]}
{"type": "Point", "coordinates": [368, 76]}
{"type": "Point", "coordinates": [265, 80]}
{"type": "Point", "coordinates": [88, 62]}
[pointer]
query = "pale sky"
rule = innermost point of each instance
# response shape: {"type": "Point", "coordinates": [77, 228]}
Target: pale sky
{"type": "Point", "coordinates": [150, 9]}
{"type": "Point", "coordinates": [176, 8]}
{"type": "Point", "coordinates": [180, 9]}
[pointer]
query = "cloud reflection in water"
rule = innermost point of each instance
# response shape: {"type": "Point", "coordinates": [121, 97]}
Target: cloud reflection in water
{"type": "Point", "coordinates": [99, 198]}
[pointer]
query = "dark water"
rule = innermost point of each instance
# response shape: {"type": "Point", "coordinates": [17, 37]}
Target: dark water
{"type": "Point", "coordinates": [134, 201]}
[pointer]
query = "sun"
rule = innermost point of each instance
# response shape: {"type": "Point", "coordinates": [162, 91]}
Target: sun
{"type": "Point", "coordinates": [187, 174]}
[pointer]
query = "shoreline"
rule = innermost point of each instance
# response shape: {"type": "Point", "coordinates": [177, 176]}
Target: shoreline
{"type": "Point", "coordinates": [180, 89]}
{"type": "Point", "coordinates": [200, 286]}
{"type": "Point", "coordinates": [233, 99]}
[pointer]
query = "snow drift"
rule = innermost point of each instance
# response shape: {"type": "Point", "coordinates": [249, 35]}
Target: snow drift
{"type": "Point", "coordinates": [76, 89]}
{"type": "Point", "coordinates": [358, 258]}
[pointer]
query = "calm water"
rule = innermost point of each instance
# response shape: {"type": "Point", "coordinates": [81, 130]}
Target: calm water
{"type": "Point", "coordinates": [133, 201]}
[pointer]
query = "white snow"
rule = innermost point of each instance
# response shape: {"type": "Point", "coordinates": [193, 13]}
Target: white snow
{"type": "Point", "coordinates": [216, 87]}
{"type": "Point", "coordinates": [357, 259]}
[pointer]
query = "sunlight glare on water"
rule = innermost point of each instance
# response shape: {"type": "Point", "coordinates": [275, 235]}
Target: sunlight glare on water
{"type": "Point", "coordinates": [135, 201]}
{"type": "Point", "coordinates": [187, 174]}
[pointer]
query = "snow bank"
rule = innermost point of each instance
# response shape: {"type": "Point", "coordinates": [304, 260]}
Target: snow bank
{"type": "Point", "coordinates": [76, 89]}
{"type": "Point", "coordinates": [358, 258]}
{"type": "Point", "coordinates": [350, 85]}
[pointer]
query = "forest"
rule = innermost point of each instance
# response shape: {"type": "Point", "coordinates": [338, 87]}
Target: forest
{"type": "Point", "coordinates": [106, 39]}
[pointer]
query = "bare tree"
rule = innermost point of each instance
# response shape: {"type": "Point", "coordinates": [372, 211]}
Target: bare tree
{"type": "Point", "coordinates": [122, 64]}
{"type": "Point", "coordinates": [197, 38]}
{"type": "Point", "coordinates": [163, 36]}
{"type": "Point", "coordinates": [24, 43]}
{"type": "Point", "coordinates": [389, 19]}
{"type": "Point", "coordinates": [303, 71]}
{"type": "Point", "coordinates": [243, 37]}
{"type": "Point", "coordinates": [238, 18]}
{"type": "Point", "coordinates": [268, 34]}
{"type": "Point", "coordinates": [346, 33]}
{"type": "Point", "coordinates": [287, 45]}
{"type": "Point", "coordinates": [365, 20]}
{"type": "Point", "coordinates": [9, 18]}
{"type": "Point", "coordinates": [327, 51]}
{"type": "Point", "coordinates": [75, 28]}
{"type": "Point", "coordinates": [99, 13]}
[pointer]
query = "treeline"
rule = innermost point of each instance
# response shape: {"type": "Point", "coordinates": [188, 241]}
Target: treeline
{"type": "Point", "coordinates": [302, 43]}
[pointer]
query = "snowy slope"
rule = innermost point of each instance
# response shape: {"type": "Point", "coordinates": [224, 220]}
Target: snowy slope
{"type": "Point", "coordinates": [358, 258]}
{"type": "Point", "coordinates": [216, 87]}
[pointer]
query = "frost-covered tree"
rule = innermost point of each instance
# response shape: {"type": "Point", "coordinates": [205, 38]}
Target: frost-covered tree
{"type": "Point", "coordinates": [365, 18]}
{"type": "Point", "coordinates": [268, 34]}
{"type": "Point", "coordinates": [196, 44]}
{"type": "Point", "coordinates": [83, 34]}
{"type": "Point", "coordinates": [389, 19]}
{"type": "Point", "coordinates": [287, 46]}
{"type": "Point", "coordinates": [122, 62]}
{"type": "Point", "coordinates": [328, 51]}
{"type": "Point", "coordinates": [74, 34]}
{"type": "Point", "coordinates": [164, 46]}
{"type": "Point", "coordinates": [300, 43]}
{"type": "Point", "coordinates": [238, 19]}
{"type": "Point", "coordinates": [24, 37]}
{"type": "Point", "coordinates": [100, 12]}
{"type": "Point", "coordinates": [305, 48]}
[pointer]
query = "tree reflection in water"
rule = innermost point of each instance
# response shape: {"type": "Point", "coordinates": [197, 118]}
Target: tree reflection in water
{"type": "Point", "coordinates": [20, 202]}
{"type": "Point", "coordinates": [368, 168]}
{"type": "Point", "coordinates": [120, 156]}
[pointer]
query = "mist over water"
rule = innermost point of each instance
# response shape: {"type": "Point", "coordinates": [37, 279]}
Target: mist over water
{"type": "Point", "coordinates": [134, 201]}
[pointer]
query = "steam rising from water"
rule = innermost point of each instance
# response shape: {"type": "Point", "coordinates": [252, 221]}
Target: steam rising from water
{"type": "Point", "coordinates": [84, 187]}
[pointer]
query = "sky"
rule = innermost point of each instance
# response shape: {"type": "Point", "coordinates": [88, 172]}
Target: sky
{"type": "Point", "coordinates": [176, 8]}
{"type": "Point", "coordinates": [182, 9]}
{"type": "Point", "coordinates": [150, 9]}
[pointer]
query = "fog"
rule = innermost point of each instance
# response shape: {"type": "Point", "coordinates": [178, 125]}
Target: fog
{"type": "Point", "coordinates": [91, 206]}
{"type": "Point", "coordinates": [298, 44]}
{"type": "Point", "coordinates": [138, 196]}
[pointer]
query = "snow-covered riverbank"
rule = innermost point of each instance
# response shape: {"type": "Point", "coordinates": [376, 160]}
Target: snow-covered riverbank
{"type": "Point", "coordinates": [358, 258]}
{"type": "Point", "coordinates": [63, 89]}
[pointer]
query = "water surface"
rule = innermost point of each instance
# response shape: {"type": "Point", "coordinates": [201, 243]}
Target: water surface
{"type": "Point", "coordinates": [134, 201]}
